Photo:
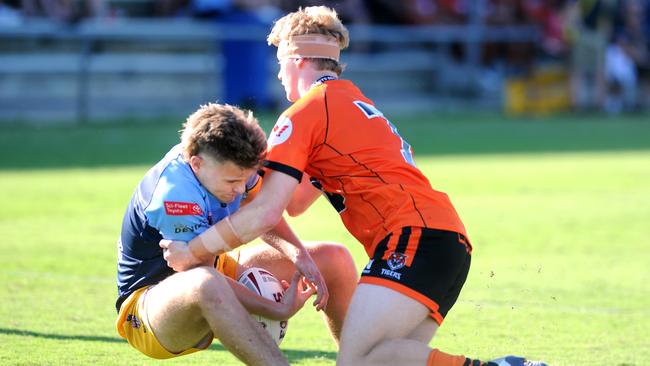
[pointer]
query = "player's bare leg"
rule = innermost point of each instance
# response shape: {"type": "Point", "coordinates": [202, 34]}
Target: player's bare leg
{"type": "Point", "coordinates": [335, 264]}
{"type": "Point", "coordinates": [400, 333]}
{"type": "Point", "coordinates": [188, 308]}
{"type": "Point", "coordinates": [394, 317]}
{"type": "Point", "coordinates": [425, 331]}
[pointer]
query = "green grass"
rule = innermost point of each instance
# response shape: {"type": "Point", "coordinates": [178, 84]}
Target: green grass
{"type": "Point", "coordinates": [558, 211]}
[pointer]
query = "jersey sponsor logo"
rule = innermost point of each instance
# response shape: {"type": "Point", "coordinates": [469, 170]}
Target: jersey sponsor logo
{"type": "Point", "coordinates": [180, 228]}
{"type": "Point", "coordinates": [182, 208]}
{"type": "Point", "coordinates": [396, 260]}
{"type": "Point", "coordinates": [368, 266]}
{"type": "Point", "coordinates": [281, 131]}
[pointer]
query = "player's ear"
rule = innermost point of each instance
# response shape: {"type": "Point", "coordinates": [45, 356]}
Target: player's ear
{"type": "Point", "coordinates": [195, 162]}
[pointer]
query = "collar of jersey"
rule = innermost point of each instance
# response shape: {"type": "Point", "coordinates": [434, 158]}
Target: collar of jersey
{"type": "Point", "coordinates": [323, 79]}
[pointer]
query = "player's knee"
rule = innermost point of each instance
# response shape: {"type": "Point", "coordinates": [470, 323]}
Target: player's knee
{"type": "Point", "coordinates": [335, 262]}
{"type": "Point", "coordinates": [331, 253]}
{"type": "Point", "coordinates": [208, 286]}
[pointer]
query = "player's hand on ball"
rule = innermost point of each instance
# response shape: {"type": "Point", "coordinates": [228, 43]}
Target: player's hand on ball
{"type": "Point", "coordinates": [306, 266]}
{"type": "Point", "coordinates": [178, 255]}
{"type": "Point", "coordinates": [295, 295]}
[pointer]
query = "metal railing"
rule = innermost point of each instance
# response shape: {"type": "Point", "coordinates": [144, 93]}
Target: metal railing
{"type": "Point", "coordinates": [88, 36]}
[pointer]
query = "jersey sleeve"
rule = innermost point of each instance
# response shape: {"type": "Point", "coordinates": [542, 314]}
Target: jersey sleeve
{"type": "Point", "coordinates": [178, 211]}
{"type": "Point", "coordinates": [293, 138]}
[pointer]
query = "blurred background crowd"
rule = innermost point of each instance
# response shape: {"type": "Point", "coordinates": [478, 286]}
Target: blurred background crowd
{"type": "Point", "coordinates": [600, 47]}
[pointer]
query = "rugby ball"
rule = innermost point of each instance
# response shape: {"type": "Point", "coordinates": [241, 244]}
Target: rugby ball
{"type": "Point", "coordinates": [263, 283]}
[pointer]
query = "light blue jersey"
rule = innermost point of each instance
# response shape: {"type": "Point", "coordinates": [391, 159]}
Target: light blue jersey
{"type": "Point", "coordinates": [169, 203]}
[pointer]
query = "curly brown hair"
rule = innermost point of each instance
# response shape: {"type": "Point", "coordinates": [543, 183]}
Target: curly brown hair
{"type": "Point", "coordinates": [312, 20]}
{"type": "Point", "coordinates": [225, 133]}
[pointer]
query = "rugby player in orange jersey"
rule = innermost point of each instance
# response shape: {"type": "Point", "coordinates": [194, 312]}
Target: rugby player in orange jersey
{"type": "Point", "coordinates": [335, 139]}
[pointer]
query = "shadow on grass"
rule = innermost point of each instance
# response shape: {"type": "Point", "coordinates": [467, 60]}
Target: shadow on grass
{"type": "Point", "coordinates": [292, 354]}
{"type": "Point", "coordinates": [25, 147]}
{"type": "Point", "coordinates": [61, 337]}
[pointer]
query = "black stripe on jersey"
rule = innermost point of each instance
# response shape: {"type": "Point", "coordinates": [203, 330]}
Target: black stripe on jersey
{"type": "Point", "coordinates": [366, 167]}
{"type": "Point", "coordinates": [288, 170]}
{"type": "Point", "coordinates": [424, 223]}
{"type": "Point", "coordinates": [321, 172]}
{"type": "Point", "coordinates": [333, 148]}
{"type": "Point", "coordinates": [342, 186]}
{"type": "Point", "coordinates": [372, 172]}
{"type": "Point", "coordinates": [327, 117]}
{"type": "Point", "coordinates": [383, 219]}
{"type": "Point", "coordinates": [349, 176]}
{"type": "Point", "coordinates": [374, 175]}
{"type": "Point", "coordinates": [403, 240]}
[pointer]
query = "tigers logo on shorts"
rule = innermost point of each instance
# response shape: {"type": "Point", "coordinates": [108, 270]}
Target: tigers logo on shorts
{"type": "Point", "coordinates": [396, 260]}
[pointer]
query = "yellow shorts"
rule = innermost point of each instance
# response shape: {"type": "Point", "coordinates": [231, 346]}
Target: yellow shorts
{"type": "Point", "coordinates": [132, 322]}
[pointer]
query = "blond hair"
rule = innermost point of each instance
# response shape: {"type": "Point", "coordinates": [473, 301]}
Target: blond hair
{"type": "Point", "coordinates": [312, 20]}
{"type": "Point", "coordinates": [226, 133]}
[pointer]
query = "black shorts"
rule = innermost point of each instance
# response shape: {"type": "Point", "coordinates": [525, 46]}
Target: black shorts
{"type": "Point", "coordinates": [427, 265]}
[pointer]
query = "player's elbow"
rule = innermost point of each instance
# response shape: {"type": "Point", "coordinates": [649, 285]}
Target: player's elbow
{"type": "Point", "coordinates": [294, 210]}
{"type": "Point", "coordinates": [299, 203]}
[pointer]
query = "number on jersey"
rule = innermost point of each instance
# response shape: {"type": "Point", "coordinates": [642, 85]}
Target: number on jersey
{"type": "Point", "coordinates": [371, 112]}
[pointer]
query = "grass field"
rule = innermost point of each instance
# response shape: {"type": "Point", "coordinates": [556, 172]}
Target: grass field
{"type": "Point", "coordinates": [558, 210]}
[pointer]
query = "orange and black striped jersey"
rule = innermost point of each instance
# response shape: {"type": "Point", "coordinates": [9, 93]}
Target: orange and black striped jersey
{"type": "Point", "coordinates": [337, 136]}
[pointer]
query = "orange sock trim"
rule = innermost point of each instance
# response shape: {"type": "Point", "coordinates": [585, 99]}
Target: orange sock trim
{"type": "Point", "coordinates": [438, 358]}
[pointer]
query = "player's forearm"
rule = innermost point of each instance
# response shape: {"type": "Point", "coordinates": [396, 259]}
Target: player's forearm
{"type": "Point", "coordinates": [257, 304]}
{"type": "Point", "coordinates": [256, 218]}
{"type": "Point", "coordinates": [245, 225]}
{"type": "Point", "coordinates": [211, 242]}
{"type": "Point", "coordinates": [284, 240]}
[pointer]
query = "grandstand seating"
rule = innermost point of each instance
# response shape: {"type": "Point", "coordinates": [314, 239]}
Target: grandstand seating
{"type": "Point", "coordinates": [151, 67]}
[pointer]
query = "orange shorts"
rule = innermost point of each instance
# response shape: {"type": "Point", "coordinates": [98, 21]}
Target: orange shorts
{"type": "Point", "coordinates": [132, 322]}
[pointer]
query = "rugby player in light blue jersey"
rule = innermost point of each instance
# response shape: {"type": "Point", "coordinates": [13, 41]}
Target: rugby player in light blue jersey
{"type": "Point", "coordinates": [198, 183]}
